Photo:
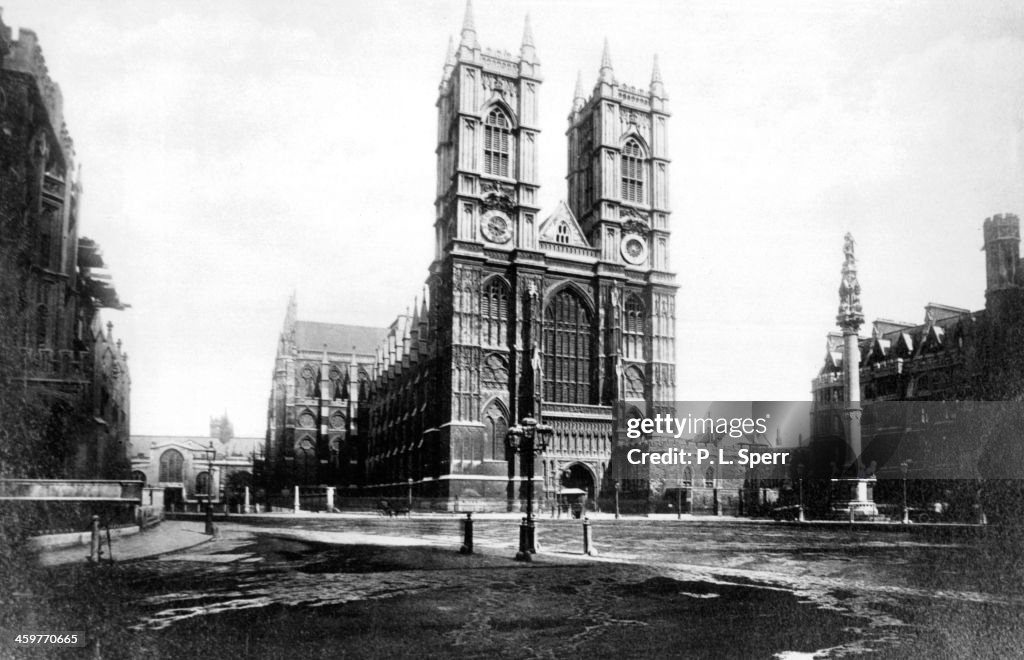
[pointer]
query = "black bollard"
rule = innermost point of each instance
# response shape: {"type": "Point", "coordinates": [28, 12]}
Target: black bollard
{"type": "Point", "coordinates": [588, 545]}
{"type": "Point", "coordinates": [467, 535]}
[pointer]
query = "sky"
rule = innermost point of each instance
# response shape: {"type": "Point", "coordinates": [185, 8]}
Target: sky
{"type": "Point", "coordinates": [235, 151]}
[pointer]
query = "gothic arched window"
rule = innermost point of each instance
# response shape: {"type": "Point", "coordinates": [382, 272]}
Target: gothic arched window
{"type": "Point", "coordinates": [634, 385]}
{"type": "Point", "coordinates": [687, 477]}
{"type": "Point", "coordinates": [494, 313]}
{"type": "Point", "coordinates": [566, 349]}
{"type": "Point", "coordinates": [633, 173]}
{"type": "Point", "coordinates": [171, 466]}
{"type": "Point", "coordinates": [633, 329]}
{"type": "Point", "coordinates": [497, 143]}
{"type": "Point", "coordinates": [709, 478]}
{"type": "Point", "coordinates": [495, 429]}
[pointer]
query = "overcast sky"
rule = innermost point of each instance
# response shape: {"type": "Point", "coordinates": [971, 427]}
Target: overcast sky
{"type": "Point", "coordinates": [233, 151]}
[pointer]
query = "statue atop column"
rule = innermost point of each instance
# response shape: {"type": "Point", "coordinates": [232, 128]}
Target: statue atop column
{"type": "Point", "coordinates": [851, 315]}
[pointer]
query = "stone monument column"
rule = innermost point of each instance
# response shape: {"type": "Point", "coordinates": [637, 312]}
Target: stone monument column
{"type": "Point", "coordinates": [854, 496]}
{"type": "Point", "coordinates": [849, 319]}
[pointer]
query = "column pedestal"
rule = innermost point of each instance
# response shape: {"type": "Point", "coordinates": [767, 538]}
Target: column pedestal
{"type": "Point", "coordinates": [854, 497]}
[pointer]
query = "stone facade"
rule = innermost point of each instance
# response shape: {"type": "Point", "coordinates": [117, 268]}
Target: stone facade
{"type": "Point", "coordinates": [316, 417]}
{"type": "Point", "coordinates": [54, 285]}
{"type": "Point", "coordinates": [557, 316]}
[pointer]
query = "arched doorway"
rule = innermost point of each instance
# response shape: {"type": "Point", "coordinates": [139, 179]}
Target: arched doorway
{"type": "Point", "coordinates": [576, 489]}
{"type": "Point", "coordinates": [578, 476]}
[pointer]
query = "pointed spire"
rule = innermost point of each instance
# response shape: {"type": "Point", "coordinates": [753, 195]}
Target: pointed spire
{"type": "Point", "coordinates": [527, 52]}
{"type": "Point", "coordinates": [469, 28]}
{"type": "Point", "coordinates": [657, 87]}
{"type": "Point", "coordinates": [449, 59]}
{"type": "Point", "coordinates": [578, 99]}
{"type": "Point", "coordinates": [606, 56]}
{"type": "Point", "coordinates": [607, 74]}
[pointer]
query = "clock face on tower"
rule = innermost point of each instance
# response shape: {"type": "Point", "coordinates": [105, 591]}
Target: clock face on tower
{"type": "Point", "coordinates": [634, 249]}
{"type": "Point", "coordinates": [496, 227]}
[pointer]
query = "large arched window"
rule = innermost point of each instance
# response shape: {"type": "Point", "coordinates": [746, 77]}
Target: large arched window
{"type": "Point", "coordinates": [494, 313]}
{"type": "Point", "coordinates": [567, 349]}
{"type": "Point", "coordinates": [633, 173]}
{"type": "Point", "coordinates": [497, 143]}
{"type": "Point", "coordinates": [633, 329]}
{"type": "Point", "coordinates": [171, 466]}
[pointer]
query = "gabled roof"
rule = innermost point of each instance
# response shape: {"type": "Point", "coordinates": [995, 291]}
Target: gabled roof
{"type": "Point", "coordinates": [880, 349]}
{"type": "Point", "coordinates": [883, 327]}
{"type": "Point", "coordinates": [338, 337]}
{"type": "Point", "coordinates": [937, 312]}
{"type": "Point", "coordinates": [562, 215]}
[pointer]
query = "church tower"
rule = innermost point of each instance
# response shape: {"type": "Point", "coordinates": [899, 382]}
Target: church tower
{"type": "Point", "coordinates": [487, 181]}
{"type": "Point", "coordinates": [618, 191]}
{"type": "Point", "coordinates": [486, 261]}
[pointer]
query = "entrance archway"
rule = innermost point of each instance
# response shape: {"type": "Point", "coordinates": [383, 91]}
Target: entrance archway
{"type": "Point", "coordinates": [579, 476]}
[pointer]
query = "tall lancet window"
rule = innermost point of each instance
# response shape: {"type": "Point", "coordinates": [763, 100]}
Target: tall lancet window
{"type": "Point", "coordinates": [494, 313]}
{"type": "Point", "coordinates": [566, 350]}
{"type": "Point", "coordinates": [633, 173]}
{"type": "Point", "coordinates": [497, 143]}
{"type": "Point", "coordinates": [633, 329]}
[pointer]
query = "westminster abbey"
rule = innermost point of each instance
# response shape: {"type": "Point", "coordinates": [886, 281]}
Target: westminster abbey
{"type": "Point", "coordinates": [558, 316]}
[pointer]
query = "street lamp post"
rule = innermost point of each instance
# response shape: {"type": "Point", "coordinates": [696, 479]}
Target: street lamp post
{"type": "Point", "coordinates": [410, 494]}
{"type": "Point", "coordinates": [528, 438]}
{"type": "Point", "coordinates": [904, 468]}
{"type": "Point", "coordinates": [617, 487]}
{"type": "Point", "coordinates": [210, 454]}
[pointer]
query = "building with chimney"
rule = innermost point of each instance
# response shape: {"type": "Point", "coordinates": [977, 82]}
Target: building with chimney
{"type": "Point", "coordinates": [557, 315]}
{"type": "Point", "coordinates": [64, 377]}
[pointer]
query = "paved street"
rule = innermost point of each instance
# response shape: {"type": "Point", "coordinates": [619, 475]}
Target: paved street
{"type": "Point", "coordinates": [326, 586]}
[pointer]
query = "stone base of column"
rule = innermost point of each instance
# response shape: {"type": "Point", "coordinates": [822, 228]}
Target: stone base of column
{"type": "Point", "coordinates": [853, 498]}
